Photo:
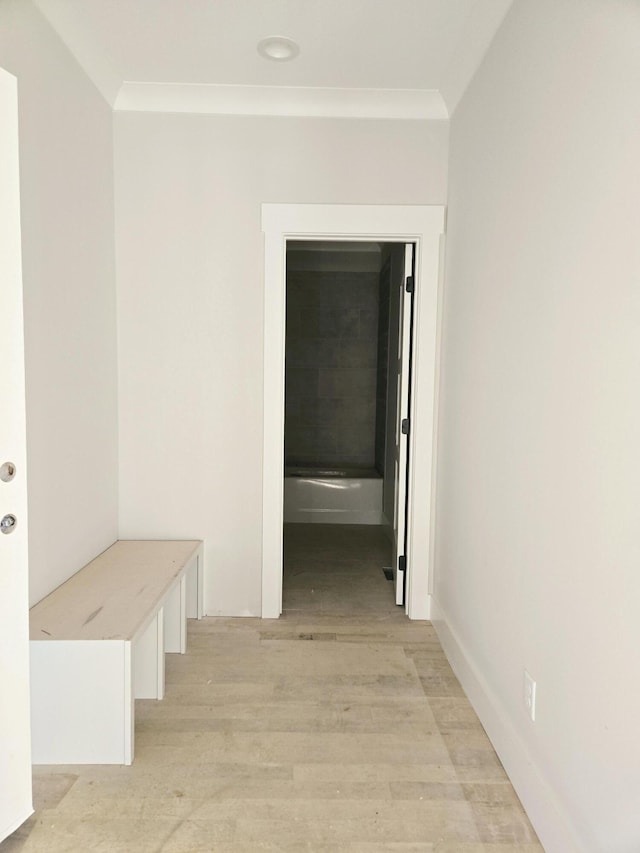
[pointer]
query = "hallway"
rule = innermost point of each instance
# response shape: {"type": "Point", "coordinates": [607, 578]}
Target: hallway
{"type": "Point", "coordinates": [339, 727]}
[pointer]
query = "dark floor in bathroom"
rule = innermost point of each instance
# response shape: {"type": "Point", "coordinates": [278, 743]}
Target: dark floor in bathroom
{"type": "Point", "coordinates": [337, 569]}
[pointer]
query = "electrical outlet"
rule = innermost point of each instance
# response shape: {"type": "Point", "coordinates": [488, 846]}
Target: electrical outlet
{"type": "Point", "coordinates": [530, 695]}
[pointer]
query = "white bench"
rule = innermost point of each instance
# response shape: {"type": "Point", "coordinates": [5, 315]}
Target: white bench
{"type": "Point", "coordinates": [98, 643]}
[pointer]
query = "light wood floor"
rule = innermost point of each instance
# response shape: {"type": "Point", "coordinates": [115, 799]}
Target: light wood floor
{"type": "Point", "coordinates": [339, 727]}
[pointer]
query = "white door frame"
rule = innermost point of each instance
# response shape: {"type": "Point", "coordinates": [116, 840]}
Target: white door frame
{"type": "Point", "coordinates": [419, 224]}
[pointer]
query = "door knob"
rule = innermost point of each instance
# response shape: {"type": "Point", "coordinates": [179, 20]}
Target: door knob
{"type": "Point", "coordinates": [8, 523]}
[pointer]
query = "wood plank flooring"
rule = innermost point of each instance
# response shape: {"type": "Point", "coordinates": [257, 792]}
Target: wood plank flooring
{"type": "Point", "coordinates": [339, 727]}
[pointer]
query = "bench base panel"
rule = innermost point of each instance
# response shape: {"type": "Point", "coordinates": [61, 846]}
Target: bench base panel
{"type": "Point", "coordinates": [81, 706]}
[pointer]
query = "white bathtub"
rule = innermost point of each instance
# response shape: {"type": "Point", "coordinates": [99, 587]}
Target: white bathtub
{"type": "Point", "coordinates": [332, 495]}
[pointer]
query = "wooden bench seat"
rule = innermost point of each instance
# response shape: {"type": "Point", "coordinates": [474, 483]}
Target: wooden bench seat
{"type": "Point", "coordinates": [98, 643]}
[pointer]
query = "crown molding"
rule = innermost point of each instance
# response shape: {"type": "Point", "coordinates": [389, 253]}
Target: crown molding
{"type": "Point", "coordinates": [416, 104]}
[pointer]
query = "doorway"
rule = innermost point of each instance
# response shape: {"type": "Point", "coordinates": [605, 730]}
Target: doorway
{"type": "Point", "coordinates": [347, 382]}
{"type": "Point", "coordinates": [422, 226]}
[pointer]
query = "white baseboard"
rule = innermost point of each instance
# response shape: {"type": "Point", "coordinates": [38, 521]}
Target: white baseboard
{"type": "Point", "coordinates": [550, 821]}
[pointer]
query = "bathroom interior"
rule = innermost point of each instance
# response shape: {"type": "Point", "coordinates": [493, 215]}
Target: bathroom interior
{"type": "Point", "coordinates": [342, 324]}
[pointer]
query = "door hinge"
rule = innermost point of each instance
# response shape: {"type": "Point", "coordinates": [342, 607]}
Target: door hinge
{"type": "Point", "coordinates": [404, 426]}
{"type": "Point", "coordinates": [402, 564]}
{"type": "Point", "coordinates": [410, 285]}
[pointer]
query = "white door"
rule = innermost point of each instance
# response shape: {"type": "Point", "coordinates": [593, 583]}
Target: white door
{"type": "Point", "coordinates": [15, 743]}
{"type": "Point", "coordinates": [401, 456]}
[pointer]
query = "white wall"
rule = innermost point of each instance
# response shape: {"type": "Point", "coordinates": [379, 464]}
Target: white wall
{"type": "Point", "coordinates": [69, 299]}
{"type": "Point", "coordinates": [190, 307]}
{"type": "Point", "coordinates": [538, 534]}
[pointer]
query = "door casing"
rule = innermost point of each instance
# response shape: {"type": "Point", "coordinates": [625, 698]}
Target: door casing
{"type": "Point", "coordinates": [419, 224]}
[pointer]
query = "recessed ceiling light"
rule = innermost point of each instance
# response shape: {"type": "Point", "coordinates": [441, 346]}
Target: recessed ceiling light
{"type": "Point", "coordinates": [278, 48]}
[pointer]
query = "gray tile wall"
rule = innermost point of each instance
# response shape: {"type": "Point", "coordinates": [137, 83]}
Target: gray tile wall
{"type": "Point", "coordinates": [382, 371]}
{"type": "Point", "coordinates": [331, 368]}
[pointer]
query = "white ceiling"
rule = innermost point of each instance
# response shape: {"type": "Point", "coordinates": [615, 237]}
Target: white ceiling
{"type": "Point", "coordinates": [423, 51]}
